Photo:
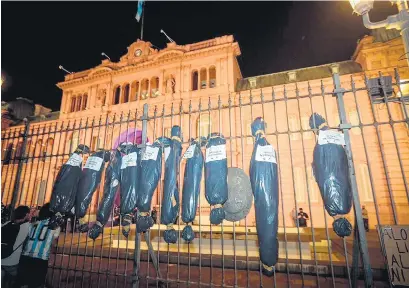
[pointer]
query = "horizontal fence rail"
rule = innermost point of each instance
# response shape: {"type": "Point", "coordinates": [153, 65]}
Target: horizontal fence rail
{"type": "Point", "coordinates": [377, 144]}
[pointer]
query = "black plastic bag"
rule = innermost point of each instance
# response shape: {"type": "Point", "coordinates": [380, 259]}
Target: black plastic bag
{"type": "Point", "coordinates": [191, 186]}
{"type": "Point", "coordinates": [151, 169]}
{"type": "Point", "coordinates": [66, 183]}
{"type": "Point", "coordinates": [216, 176]}
{"type": "Point", "coordinates": [170, 200]}
{"type": "Point", "coordinates": [330, 168]}
{"type": "Point", "coordinates": [111, 186]}
{"type": "Point", "coordinates": [264, 183]}
{"type": "Point", "coordinates": [130, 166]}
{"type": "Point", "coordinates": [88, 184]}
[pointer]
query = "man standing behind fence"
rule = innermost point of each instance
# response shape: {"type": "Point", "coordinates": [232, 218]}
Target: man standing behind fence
{"type": "Point", "coordinates": [365, 217]}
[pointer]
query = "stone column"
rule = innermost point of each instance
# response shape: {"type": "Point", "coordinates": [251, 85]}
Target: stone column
{"type": "Point", "coordinates": [219, 72]}
{"type": "Point", "coordinates": [68, 96]}
{"type": "Point", "coordinates": [161, 79]}
{"type": "Point", "coordinates": [108, 98]}
{"type": "Point", "coordinates": [207, 78]}
{"type": "Point", "coordinates": [89, 98]}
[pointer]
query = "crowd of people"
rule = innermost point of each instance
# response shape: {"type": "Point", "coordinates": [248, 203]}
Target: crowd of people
{"type": "Point", "coordinates": [26, 242]}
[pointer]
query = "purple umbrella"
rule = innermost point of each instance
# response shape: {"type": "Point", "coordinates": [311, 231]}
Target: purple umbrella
{"type": "Point", "coordinates": [132, 135]}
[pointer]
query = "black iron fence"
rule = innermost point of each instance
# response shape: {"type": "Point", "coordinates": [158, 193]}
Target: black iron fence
{"type": "Point", "coordinates": [371, 114]}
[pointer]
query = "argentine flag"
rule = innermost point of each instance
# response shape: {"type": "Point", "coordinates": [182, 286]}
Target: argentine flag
{"type": "Point", "coordinates": [140, 10]}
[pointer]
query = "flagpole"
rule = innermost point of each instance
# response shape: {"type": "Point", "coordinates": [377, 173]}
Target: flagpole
{"type": "Point", "coordinates": [143, 17]}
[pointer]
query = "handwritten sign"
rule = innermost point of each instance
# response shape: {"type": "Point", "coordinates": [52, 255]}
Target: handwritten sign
{"type": "Point", "coordinates": [331, 137]}
{"type": "Point", "coordinates": [266, 154]}
{"type": "Point", "coordinates": [216, 153]}
{"type": "Point", "coordinates": [93, 163]}
{"type": "Point", "coordinates": [189, 152]}
{"type": "Point", "coordinates": [151, 153]}
{"type": "Point", "coordinates": [395, 246]}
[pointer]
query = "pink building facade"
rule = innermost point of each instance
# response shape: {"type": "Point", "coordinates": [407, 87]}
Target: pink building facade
{"type": "Point", "coordinates": [200, 87]}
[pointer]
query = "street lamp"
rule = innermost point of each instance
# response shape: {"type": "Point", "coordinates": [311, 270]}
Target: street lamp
{"type": "Point", "coordinates": [62, 68]}
{"type": "Point", "coordinates": [103, 54]}
{"type": "Point", "coordinates": [399, 21]}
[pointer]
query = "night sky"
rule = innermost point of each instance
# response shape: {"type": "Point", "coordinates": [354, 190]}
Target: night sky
{"type": "Point", "coordinates": [37, 37]}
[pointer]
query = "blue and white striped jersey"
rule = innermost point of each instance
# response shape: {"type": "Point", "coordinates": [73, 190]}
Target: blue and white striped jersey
{"type": "Point", "coordinates": [40, 239]}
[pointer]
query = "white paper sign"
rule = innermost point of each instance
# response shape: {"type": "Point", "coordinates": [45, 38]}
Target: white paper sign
{"type": "Point", "coordinates": [129, 160]}
{"type": "Point", "coordinates": [396, 250]}
{"type": "Point", "coordinates": [93, 163]}
{"type": "Point", "coordinates": [189, 152]}
{"type": "Point", "coordinates": [331, 137]}
{"type": "Point", "coordinates": [75, 160]}
{"type": "Point", "coordinates": [266, 154]}
{"type": "Point", "coordinates": [151, 153]}
{"type": "Point", "coordinates": [167, 152]}
{"type": "Point", "coordinates": [215, 153]}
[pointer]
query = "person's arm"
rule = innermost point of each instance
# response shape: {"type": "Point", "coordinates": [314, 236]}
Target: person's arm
{"type": "Point", "coordinates": [306, 216]}
{"type": "Point", "coordinates": [56, 232]}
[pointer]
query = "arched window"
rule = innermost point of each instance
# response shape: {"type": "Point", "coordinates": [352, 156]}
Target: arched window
{"type": "Point", "coordinates": [117, 95]}
{"type": "Point", "coordinates": [203, 78]}
{"type": "Point", "coordinates": [30, 148]}
{"type": "Point", "coordinates": [134, 90]}
{"type": "Point", "coordinates": [212, 77]}
{"type": "Point", "coordinates": [8, 154]}
{"type": "Point", "coordinates": [78, 108]}
{"type": "Point", "coordinates": [84, 101]}
{"type": "Point", "coordinates": [155, 87]}
{"type": "Point", "coordinates": [195, 80]}
{"type": "Point", "coordinates": [170, 84]}
{"type": "Point", "coordinates": [74, 141]}
{"type": "Point", "coordinates": [48, 149]}
{"type": "Point", "coordinates": [72, 108]}
{"type": "Point", "coordinates": [125, 99]}
{"type": "Point", "coordinates": [19, 150]}
{"type": "Point", "coordinates": [144, 89]}
{"type": "Point", "coordinates": [38, 148]}
{"type": "Point", "coordinates": [204, 125]}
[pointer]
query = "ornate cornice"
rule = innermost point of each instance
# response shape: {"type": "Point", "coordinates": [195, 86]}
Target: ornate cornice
{"type": "Point", "coordinates": [168, 56]}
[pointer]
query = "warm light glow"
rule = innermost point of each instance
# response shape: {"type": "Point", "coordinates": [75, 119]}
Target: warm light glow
{"type": "Point", "coordinates": [361, 6]}
{"type": "Point", "coordinates": [1, 82]}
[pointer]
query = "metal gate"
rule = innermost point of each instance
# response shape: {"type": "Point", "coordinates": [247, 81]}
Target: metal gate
{"type": "Point", "coordinates": [374, 121]}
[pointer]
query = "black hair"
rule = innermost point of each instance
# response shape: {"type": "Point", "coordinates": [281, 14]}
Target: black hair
{"type": "Point", "coordinates": [45, 212]}
{"type": "Point", "coordinates": [21, 212]}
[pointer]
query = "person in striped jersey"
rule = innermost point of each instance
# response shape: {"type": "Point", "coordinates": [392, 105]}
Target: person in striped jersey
{"type": "Point", "coordinates": [33, 263]}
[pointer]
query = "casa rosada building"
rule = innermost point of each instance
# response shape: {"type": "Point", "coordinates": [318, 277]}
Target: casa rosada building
{"type": "Point", "coordinates": [200, 87]}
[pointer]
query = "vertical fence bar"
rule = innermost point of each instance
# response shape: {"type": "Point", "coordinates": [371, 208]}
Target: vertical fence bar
{"type": "Point", "coordinates": [20, 165]}
{"type": "Point", "coordinates": [345, 126]}
{"type": "Point", "coordinates": [137, 251]}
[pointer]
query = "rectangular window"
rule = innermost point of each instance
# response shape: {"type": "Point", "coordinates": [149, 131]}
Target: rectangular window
{"type": "Point", "coordinates": [72, 108]}
{"type": "Point", "coordinates": [95, 143]}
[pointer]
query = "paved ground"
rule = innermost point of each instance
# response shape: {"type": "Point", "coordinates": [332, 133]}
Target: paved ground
{"type": "Point", "coordinates": [100, 265]}
{"type": "Point", "coordinates": [118, 273]}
